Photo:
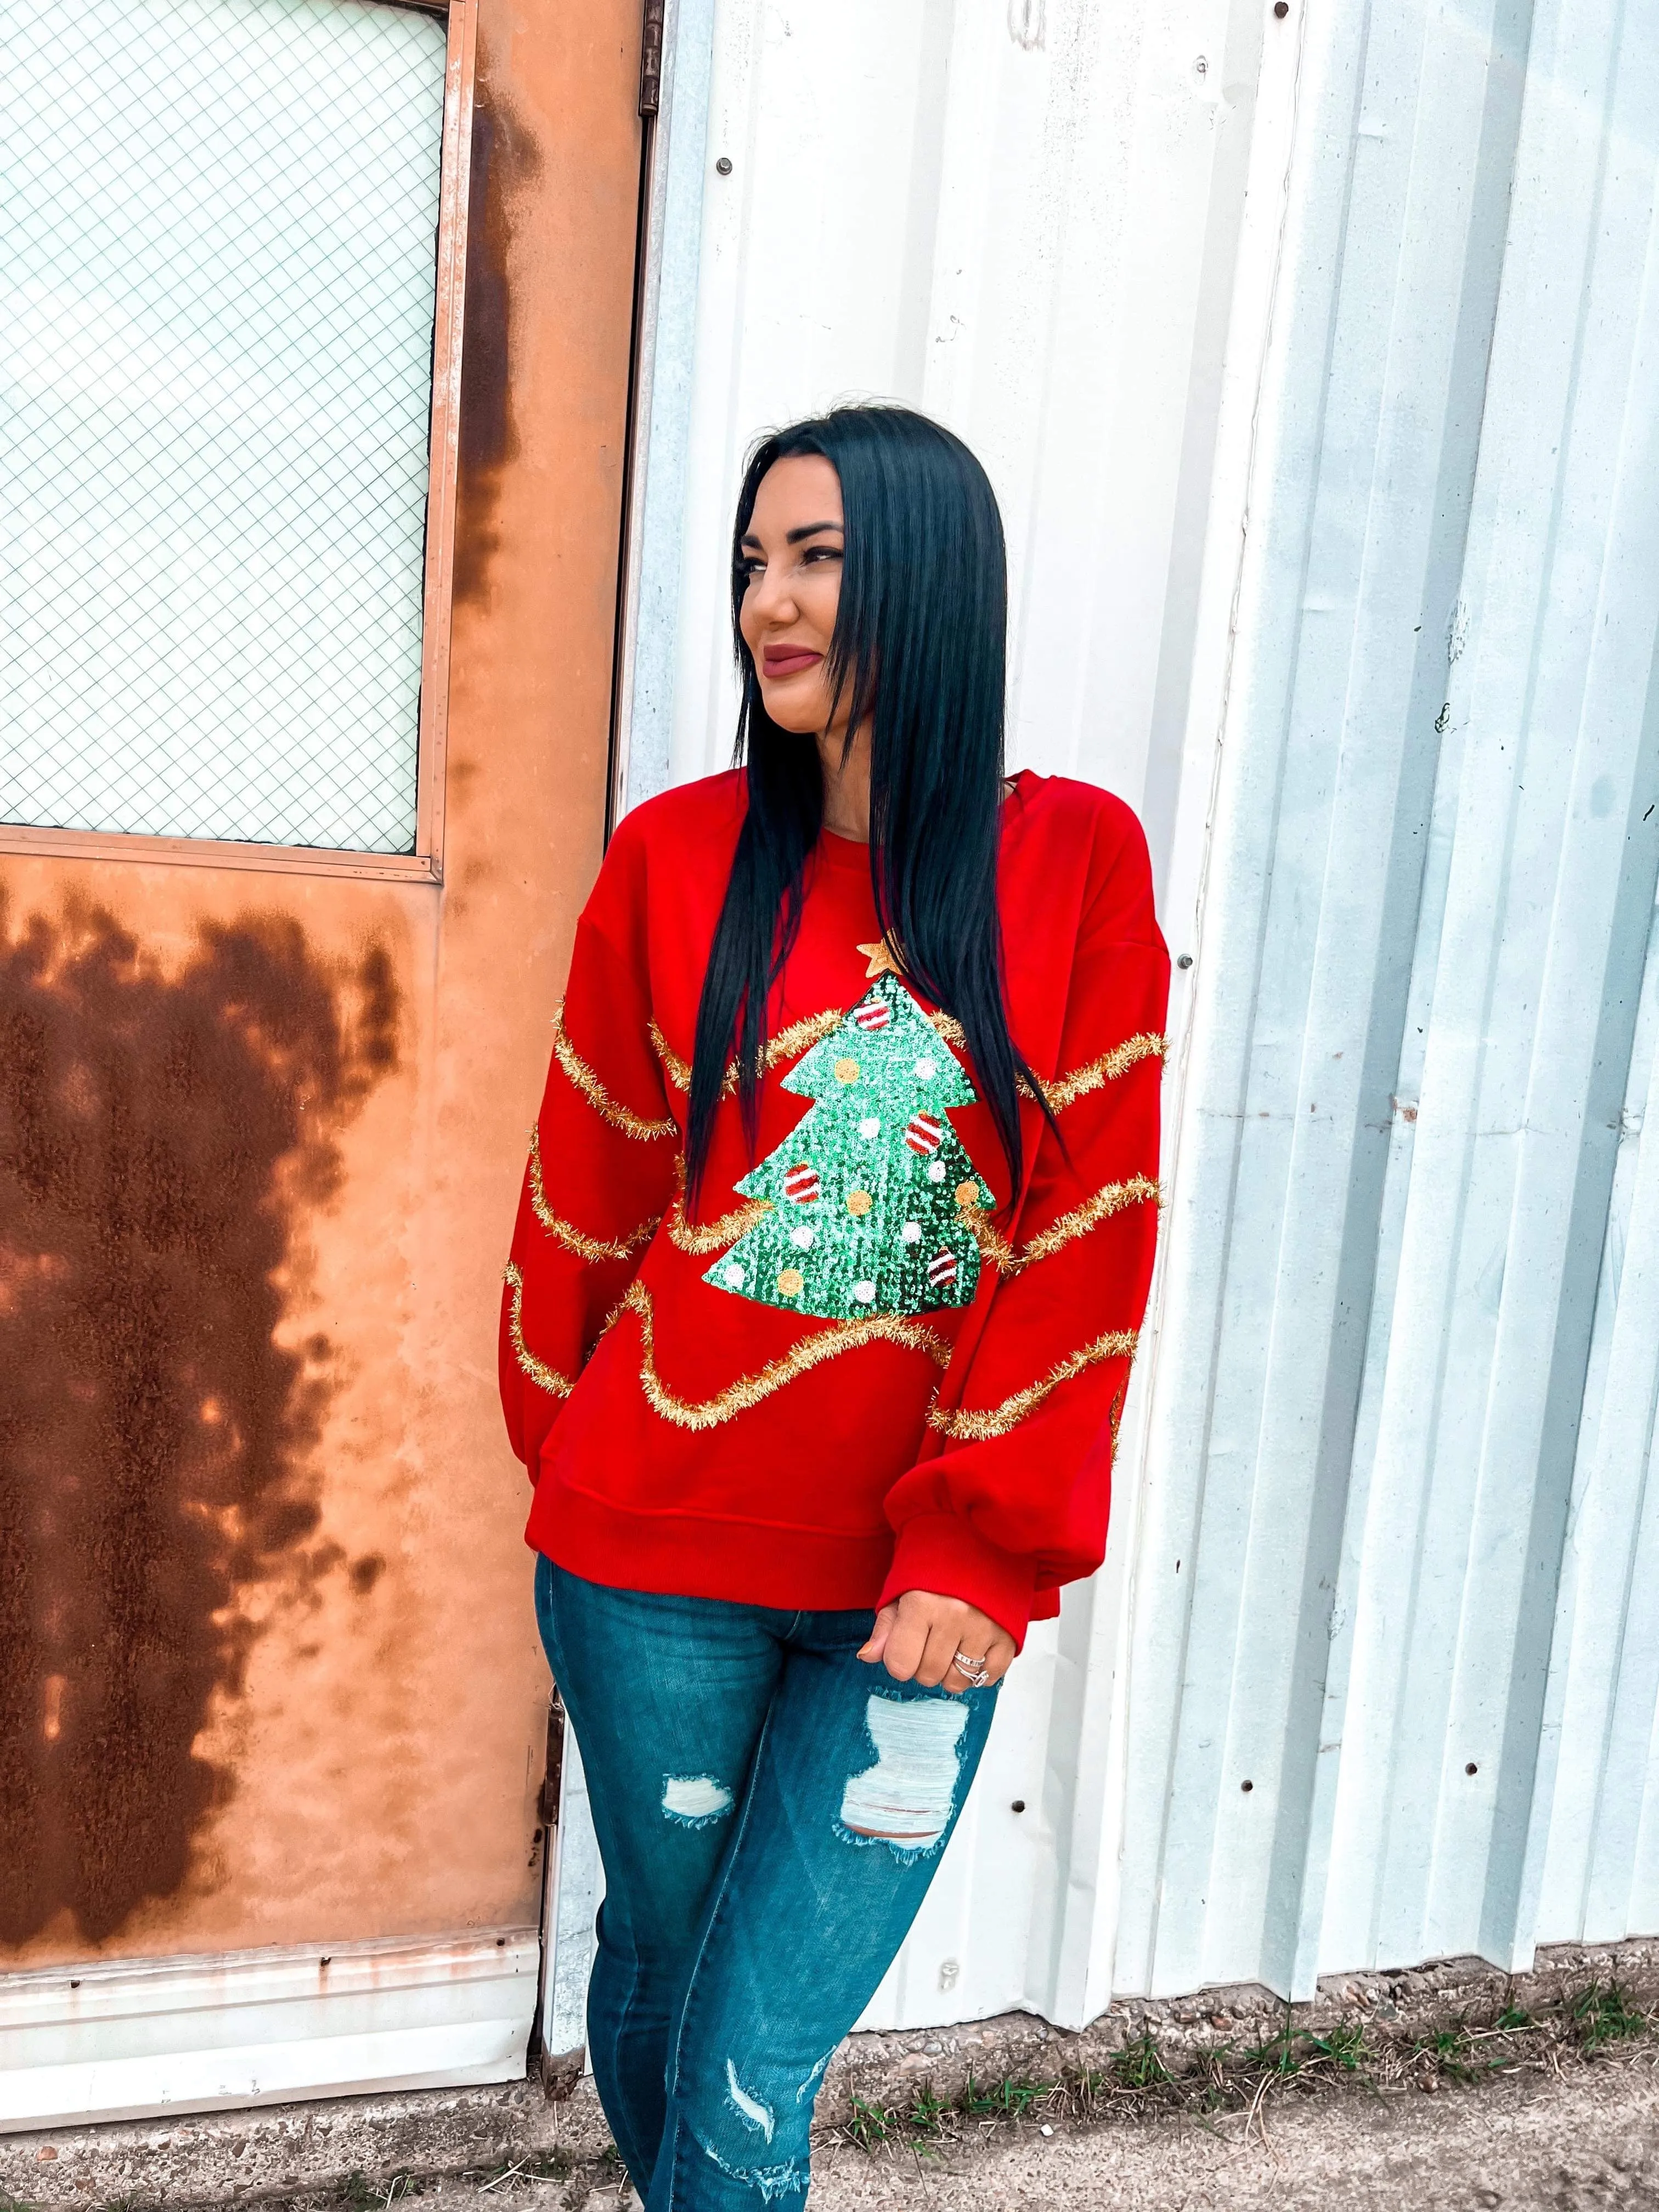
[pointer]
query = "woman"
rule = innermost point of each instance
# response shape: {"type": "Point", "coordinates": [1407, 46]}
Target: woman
{"type": "Point", "coordinates": [835, 1235]}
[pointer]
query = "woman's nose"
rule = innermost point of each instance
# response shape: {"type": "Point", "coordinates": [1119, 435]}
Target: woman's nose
{"type": "Point", "coordinates": [773, 601]}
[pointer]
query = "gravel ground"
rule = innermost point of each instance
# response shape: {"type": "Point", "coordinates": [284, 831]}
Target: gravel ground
{"type": "Point", "coordinates": [1583, 2140]}
{"type": "Point", "coordinates": [1224, 2097]}
{"type": "Point", "coordinates": [1588, 2138]}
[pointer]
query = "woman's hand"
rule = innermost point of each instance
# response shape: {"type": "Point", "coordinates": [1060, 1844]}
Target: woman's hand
{"type": "Point", "coordinates": [918, 1636]}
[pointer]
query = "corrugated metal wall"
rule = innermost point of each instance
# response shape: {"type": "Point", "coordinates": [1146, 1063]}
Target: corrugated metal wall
{"type": "Point", "coordinates": [1392, 1690]}
{"type": "Point", "coordinates": [1315, 364]}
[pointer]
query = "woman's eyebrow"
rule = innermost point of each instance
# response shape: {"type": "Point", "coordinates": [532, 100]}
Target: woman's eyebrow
{"type": "Point", "coordinates": [792, 536]}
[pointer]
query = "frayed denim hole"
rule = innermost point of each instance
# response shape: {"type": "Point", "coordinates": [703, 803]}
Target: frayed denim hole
{"type": "Point", "coordinates": [906, 1799]}
{"type": "Point", "coordinates": [809, 2086]}
{"type": "Point", "coordinates": [753, 2111]}
{"type": "Point", "coordinates": [772, 2182]}
{"type": "Point", "coordinates": [906, 1854]}
{"type": "Point", "coordinates": [694, 1801]}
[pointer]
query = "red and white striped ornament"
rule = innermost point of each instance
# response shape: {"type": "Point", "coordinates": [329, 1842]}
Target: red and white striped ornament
{"type": "Point", "coordinates": [875, 1015]}
{"type": "Point", "coordinates": [924, 1134]}
{"type": "Point", "coordinates": [942, 1269]}
{"type": "Point", "coordinates": [801, 1183]}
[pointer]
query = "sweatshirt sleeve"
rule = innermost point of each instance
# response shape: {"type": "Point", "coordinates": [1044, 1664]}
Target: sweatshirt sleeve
{"type": "Point", "coordinates": [600, 1171]}
{"type": "Point", "coordinates": [1016, 1499]}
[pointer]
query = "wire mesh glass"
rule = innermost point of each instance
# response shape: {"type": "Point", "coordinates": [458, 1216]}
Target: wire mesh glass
{"type": "Point", "coordinates": [218, 227]}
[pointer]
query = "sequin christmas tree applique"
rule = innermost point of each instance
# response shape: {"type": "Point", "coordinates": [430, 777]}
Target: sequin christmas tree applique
{"type": "Point", "coordinates": [871, 1197]}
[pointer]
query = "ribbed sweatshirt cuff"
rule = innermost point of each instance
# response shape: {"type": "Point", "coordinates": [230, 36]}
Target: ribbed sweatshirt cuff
{"type": "Point", "coordinates": [945, 1553]}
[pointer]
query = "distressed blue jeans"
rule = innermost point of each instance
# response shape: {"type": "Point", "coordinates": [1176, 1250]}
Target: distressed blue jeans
{"type": "Point", "coordinates": [770, 1809]}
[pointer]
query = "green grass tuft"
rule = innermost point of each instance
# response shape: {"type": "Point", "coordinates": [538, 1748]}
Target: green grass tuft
{"type": "Point", "coordinates": [1138, 2066]}
{"type": "Point", "coordinates": [1220, 2077]}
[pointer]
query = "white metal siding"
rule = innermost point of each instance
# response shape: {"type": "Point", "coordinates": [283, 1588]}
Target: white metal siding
{"type": "Point", "coordinates": [1432, 881]}
{"type": "Point", "coordinates": [1319, 387]}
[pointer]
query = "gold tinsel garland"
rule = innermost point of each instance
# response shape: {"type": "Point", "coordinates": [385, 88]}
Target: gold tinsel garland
{"type": "Point", "coordinates": [813, 1028]}
{"type": "Point", "coordinates": [566, 1232]}
{"type": "Point", "coordinates": [1065, 1090]}
{"type": "Point", "coordinates": [544, 1377]}
{"type": "Point", "coordinates": [610, 1109]}
{"type": "Point", "coordinates": [748, 1390]}
{"type": "Point", "coordinates": [702, 1237]}
{"type": "Point", "coordinates": [1111, 1197]}
{"type": "Point", "coordinates": [810, 1030]}
{"type": "Point", "coordinates": [977, 1424]}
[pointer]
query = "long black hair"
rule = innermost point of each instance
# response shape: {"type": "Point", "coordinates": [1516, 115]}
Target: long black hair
{"type": "Point", "coordinates": [920, 649]}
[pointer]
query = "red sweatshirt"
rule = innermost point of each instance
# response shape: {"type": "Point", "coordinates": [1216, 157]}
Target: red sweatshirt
{"type": "Point", "coordinates": [864, 1366]}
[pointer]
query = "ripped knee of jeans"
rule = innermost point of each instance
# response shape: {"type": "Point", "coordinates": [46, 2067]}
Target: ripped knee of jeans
{"type": "Point", "coordinates": [906, 1799]}
{"type": "Point", "coordinates": [694, 1801]}
{"type": "Point", "coordinates": [756, 2130]}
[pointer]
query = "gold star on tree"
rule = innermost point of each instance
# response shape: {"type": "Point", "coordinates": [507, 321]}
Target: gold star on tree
{"type": "Point", "coordinates": [882, 958]}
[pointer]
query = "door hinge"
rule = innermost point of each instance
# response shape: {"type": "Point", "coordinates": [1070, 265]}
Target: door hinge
{"type": "Point", "coordinates": [547, 1804]}
{"type": "Point", "coordinates": [651, 57]}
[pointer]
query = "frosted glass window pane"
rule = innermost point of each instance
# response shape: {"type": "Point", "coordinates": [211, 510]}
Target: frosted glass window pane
{"type": "Point", "coordinates": [218, 227]}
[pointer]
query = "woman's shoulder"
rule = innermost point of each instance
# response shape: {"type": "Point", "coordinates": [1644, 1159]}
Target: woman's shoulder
{"type": "Point", "coordinates": [1064, 808]}
{"type": "Point", "coordinates": [676, 845]}
{"type": "Point", "coordinates": [689, 828]}
{"type": "Point", "coordinates": [1079, 832]}
{"type": "Point", "coordinates": [686, 815]}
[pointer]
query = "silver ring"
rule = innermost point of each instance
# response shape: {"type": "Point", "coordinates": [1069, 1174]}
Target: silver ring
{"type": "Point", "coordinates": [972, 1671]}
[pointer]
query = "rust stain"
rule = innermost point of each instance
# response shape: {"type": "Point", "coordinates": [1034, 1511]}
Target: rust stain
{"type": "Point", "coordinates": [504, 159]}
{"type": "Point", "coordinates": [366, 1572]}
{"type": "Point", "coordinates": [156, 1130]}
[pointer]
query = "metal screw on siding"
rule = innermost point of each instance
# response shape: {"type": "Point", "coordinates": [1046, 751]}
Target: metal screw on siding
{"type": "Point", "coordinates": [1471, 1768]}
{"type": "Point", "coordinates": [1281, 8]}
{"type": "Point", "coordinates": [1185, 960]}
{"type": "Point", "coordinates": [723, 166]}
{"type": "Point", "coordinates": [1246, 1787]}
{"type": "Point", "coordinates": [1018, 1805]}
{"type": "Point", "coordinates": [1201, 66]}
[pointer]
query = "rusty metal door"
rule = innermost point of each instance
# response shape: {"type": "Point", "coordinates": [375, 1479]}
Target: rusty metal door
{"type": "Point", "coordinates": [271, 1706]}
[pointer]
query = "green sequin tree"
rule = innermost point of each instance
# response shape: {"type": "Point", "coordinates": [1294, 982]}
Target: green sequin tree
{"type": "Point", "coordinates": [869, 1197]}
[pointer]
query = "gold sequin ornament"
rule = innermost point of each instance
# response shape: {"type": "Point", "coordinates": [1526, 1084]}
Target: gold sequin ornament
{"type": "Point", "coordinates": [967, 1194]}
{"type": "Point", "coordinates": [859, 1201]}
{"type": "Point", "coordinates": [791, 1282]}
{"type": "Point", "coordinates": [846, 1071]}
